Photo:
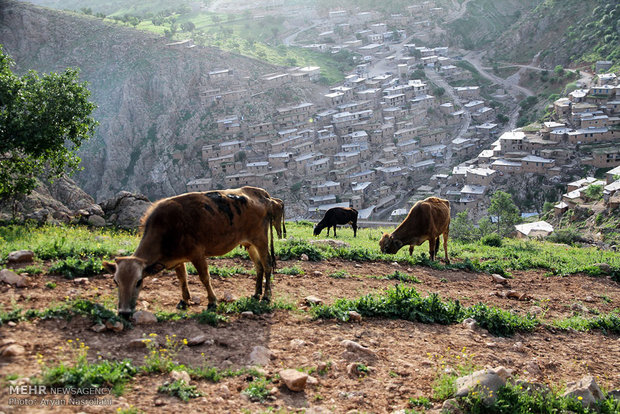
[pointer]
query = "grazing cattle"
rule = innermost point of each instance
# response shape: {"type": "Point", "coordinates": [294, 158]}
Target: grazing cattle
{"type": "Point", "coordinates": [427, 220]}
{"type": "Point", "coordinates": [193, 226]}
{"type": "Point", "coordinates": [335, 216]}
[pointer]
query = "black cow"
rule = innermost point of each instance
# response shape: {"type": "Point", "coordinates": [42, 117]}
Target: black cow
{"type": "Point", "coordinates": [335, 216]}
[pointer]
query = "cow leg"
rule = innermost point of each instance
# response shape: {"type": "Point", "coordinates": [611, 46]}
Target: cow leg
{"type": "Point", "coordinates": [354, 225]}
{"type": "Point", "coordinates": [335, 231]}
{"type": "Point", "coordinates": [445, 246]}
{"type": "Point", "coordinates": [203, 273]}
{"type": "Point", "coordinates": [411, 250]}
{"type": "Point", "coordinates": [258, 266]}
{"type": "Point", "coordinates": [431, 248]}
{"type": "Point", "coordinates": [181, 272]}
{"type": "Point", "coordinates": [328, 227]}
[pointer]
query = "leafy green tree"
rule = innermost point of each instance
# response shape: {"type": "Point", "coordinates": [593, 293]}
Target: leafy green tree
{"type": "Point", "coordinates": [43, 122]}
{"type": "Point", "coordinates": [505, 210]}
{"type": "Point", "coordinates": [462, 227]}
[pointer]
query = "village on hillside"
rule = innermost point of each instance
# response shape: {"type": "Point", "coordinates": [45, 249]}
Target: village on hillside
{"type": "Point", "coordinates": [394, 130]}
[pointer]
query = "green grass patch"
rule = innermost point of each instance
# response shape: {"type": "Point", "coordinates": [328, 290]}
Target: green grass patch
{"type": "Point", "coordinates": [258, 389]}
{"type": "Point", "coordinates": [514, 399]}
{"type": "Point", "coordinates": [74, 267]}
{"type": "Point", "coordinates": [85, 374]}
{"type": "Point", "coordinates": [609, 323]}
{"type": "Point", "coordinates": [180, 389]}
{"type": "Point", "coordinates": [258, 307]}
{"type": "Point", "coordinates": [404, 302]}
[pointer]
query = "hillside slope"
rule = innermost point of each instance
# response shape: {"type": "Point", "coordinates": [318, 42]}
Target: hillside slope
{"type": "Point", "coordinates": [568, 32]}
{"type": "Point", "coordinates": [148, 95]}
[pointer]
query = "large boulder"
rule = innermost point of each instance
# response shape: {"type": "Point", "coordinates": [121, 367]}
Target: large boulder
{"type": "Point", "coordinates": [125, 209]}
{"type": "Point", "coordinates": [585, 390]}
{"type": "Point", "coordinates": [486, 382]}
{"type": "Point", "coordinates": [59, 201]}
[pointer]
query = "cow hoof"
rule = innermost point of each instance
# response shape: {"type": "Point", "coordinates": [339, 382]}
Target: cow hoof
{"type": "Point", "coordinates": [266, 299]}
{"type": "Point", "coordinates": [256, 296]}
{"type": "Point", "coordinates": [212, 306]}
{"type": "Point", "coordinates": [182, 305]}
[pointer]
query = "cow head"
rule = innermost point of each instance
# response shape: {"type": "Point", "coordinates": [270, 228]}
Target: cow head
{"type": "Point", "coordinates": [389, 244]}
{"type": "Point", "coordinates": [317, 230]}
{"type": "Point", "coordinates": [128, 275]}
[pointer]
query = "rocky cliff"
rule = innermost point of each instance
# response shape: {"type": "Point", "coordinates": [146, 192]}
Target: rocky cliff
{"type": "Point", "coordinates": [148, 95]}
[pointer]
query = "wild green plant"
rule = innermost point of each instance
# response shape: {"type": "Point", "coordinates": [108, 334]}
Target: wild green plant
{"type": "Point", "coordinates": [33, 270]}
{"type": "Point", "coordinates": [501, 322]}
{"type": "Point", "coordinates": [129, 410]}
{"type": "Point", "coordinates": [449, 367]}
{"type": "Point", "coordinates": [160, 357]}
{"type": "Point", "coordinates": [339, 274]}
{"type": "Point", "coordinates": [258, 390]}
{"type": "Point", "coordinates": [180, 389]}
{"type": "Point", "coordinates": [513, 398]}
{"type": "Point", "coordinates": [85, 374]}
{"type": "Point", "coordinates": [420, 402]}
{"type": "Point", "coordinates": [609, 323]}
{"type": "Point", "coordinates": [74, 267]}
{"type": "Point", "coordinates": [50, 285]}
{"type": "Point", "coordinates": [293, 248]}
{"type": "Point", "coordinates": [292, 271]}
{"type": "Point", "coordinates": [402, 277]}
{"type": "Point", "coordinates": [255, 306]}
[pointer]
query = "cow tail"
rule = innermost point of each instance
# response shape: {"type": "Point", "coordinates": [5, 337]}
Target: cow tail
{"type": "Point", "coordinates": [273, 254]}
{"type": "Point", "coordinates": [283, 224]}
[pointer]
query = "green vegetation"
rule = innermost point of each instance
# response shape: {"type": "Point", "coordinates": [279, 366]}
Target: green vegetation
{"type": "Point", "coordinates": [517, 399]}
{"type": "Point", "coordinates": [257, 389]}
{"type": "Point", "coordinates": [44, 122]}
{"type": "Point", "coordinates": [96, 312]}
{"type": "Point", "coordinates": [180, 389]}
{"type": "Point", "coordinates": [84, 374]}
{"type": "Point", "coordinates": [258, 307]}
{"type": "Point", "coordinates": [402, 302]}
{"type": "Point", "coordinates": [74, 267]}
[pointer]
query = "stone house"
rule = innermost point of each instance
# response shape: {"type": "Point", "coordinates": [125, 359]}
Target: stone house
{"type": "Point", "coordinates": [537, 165]}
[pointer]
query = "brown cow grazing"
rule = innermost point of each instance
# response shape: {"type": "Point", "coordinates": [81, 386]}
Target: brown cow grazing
{"type": "Point", "coordinates": [427, 220]}
{"type": "Point", "coordinates": [335, 216]}
{"type": "Point", "coordinates": [193, 226]}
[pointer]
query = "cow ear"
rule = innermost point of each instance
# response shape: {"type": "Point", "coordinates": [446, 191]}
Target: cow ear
{"type": "Point", "coordinates": [109, 267]}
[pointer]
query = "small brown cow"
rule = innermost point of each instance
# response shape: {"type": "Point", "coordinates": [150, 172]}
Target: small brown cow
{"type": "Point", "coordinates": [193, 226]}
{"type": "Point", "coordinates": [427, 220]}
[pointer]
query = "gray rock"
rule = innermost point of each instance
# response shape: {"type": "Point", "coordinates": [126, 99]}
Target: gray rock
{"type": "Point", "coordinates": [20, 256]}
{"type": "Point", "coordinates": [260, 356]}
{"type": "Point", "coordinates": [293, 379]}
{"type": "Point", "coordinates": [313, 300]}
{"type": "Point", "coordinates": [247, 315]}
{"type": "Point", "coordinates": [533, 388]}
{"type": "Point", "coordinates": [98, 328]}
{"type": "Point", "coordinates": [114, 326]}
{"type": "Point", "coordinates": [144, 318]}
{"type": "Point", "coordinates": [604, 267]}
{"type": "Point", "coordinates": [499, 279]}
{"type": "Point", "coordinates": [228, 297]}
{"type": "Point", "coordinates": [354, 316]}
{"type": "Point", "coordinates": [304, 257]}
{"type": "Point", "coordinates": [587, 389]}
{"type": "Point", "coordinates": [451, 406]}
{"type": "Point", "coordinates": [487, 382]}
{"type": "Point", "coordinates": [297, 344]}
{"type": "Point", "coordinates": [357, 349]}
{"type": "Point", "coordinates": [470, 324]}
{"type": "Point", "coordinates": [11, 278]}
{"type": "Point", "coordinates": [96, 221]}
{"type": "Point", "coordinates": [125, 210]}
{"type": "Point", "coordinates": [13, 350]}
{"type": "Point", "coordinates": [199, 340]}
{"type": "Point", "coordinates": [180, 375]}
{"type": "Point", "coordinates": [137, 343]}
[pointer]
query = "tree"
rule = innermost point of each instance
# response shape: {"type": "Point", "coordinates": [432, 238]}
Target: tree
{"type": "Point", "coordinates": [43, 122]}
{"type": "Point", "coordinates": [506, 212]}
{"type": "Point", "coordinates": [462, 227]}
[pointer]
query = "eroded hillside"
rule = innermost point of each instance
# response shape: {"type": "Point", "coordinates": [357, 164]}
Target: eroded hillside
{"type": "Point", "coordinates": [151, 96]}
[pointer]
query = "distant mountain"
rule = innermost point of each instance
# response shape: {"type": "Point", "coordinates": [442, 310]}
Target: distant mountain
{"type": "Point", "coordinates": [150, 96]}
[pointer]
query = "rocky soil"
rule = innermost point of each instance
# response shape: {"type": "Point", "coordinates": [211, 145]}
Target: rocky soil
{"type": "Point", "coordinates": [403, 358]}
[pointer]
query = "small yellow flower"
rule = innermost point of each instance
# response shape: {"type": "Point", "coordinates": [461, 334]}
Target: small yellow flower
{"type": "Point", "coordinates": [69, 340]}
{"type": "Point", "coordinates": [580, 398]}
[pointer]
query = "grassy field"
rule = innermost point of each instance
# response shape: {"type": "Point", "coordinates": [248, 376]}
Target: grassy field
{"type": "Point", "coordinates": [68, 244]}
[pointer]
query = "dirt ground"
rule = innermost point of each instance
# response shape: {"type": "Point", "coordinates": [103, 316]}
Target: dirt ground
{"type": "Point", "coordinates": [406, 354]}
